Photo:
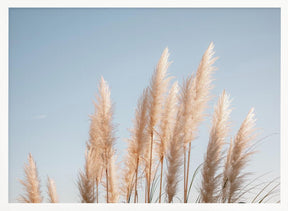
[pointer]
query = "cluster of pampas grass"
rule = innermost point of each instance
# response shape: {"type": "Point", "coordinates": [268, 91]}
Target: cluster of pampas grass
{"type": "Point", "coordinates": [167, 118]}
{"type": "Point", "coordinates": [32, 185]}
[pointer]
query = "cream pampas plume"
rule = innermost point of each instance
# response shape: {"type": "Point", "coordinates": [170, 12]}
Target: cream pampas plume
{"type": "Point", "coordinates": [53, 197]}
{"type": "Point", "coordinates": [31, 183]}
{"type": "Point", "coordinates": [137, 144]}
{"type": "Point", "coordinates": [86, 180]}
{"type": "Point", "coordinates": [174, 158]}
{"type": "Point", "coordinates": [237, 158]}
{"type": "Point", "coordinates": [113, 182]}
{"type": "Point", "coordinates": [95, 147]}
{"type": "Point", "coordinates": [157, 88]}
{"type": "Point", "coordinates": [218, 133]}
{"type": "Point", "coordinates": [105, 132]}
{"type": "Point", "coordinates": [195, 95]}
{"type": "Point", "coordinates": [167, 120]}
{"type": "Point", "coordinates": [227, 169]}
{"type": "Point", "coordinates": [166, 127]}
{"type": "Point", "coordinates": [96, 165]}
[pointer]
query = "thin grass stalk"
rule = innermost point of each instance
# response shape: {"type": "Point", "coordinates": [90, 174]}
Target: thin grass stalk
{"type": "Point", "coordinates": [184, 174]}
{"type": "Point", "coordinates": [262, 190]}
{"type": "Point", "coordinates": [136, 181]}
{"type": "Point", "coordinates": [107, 185]}
{"type": "Point", "coordinates": [97, 191]}
{"type": "Point", "coordinates": [161, 175]}
{"type": "Point", "coordinates": [269, 193]}
{"type": "Point", "coordinates": [187, 173]}
{"type": "Point", "coordinates": [153, 187]}
{"type": "Point", "coordinates": [225, 182]}
{"type": "Point", "coordinates": [192, 180]}
{"type": "Point", "coordinates": [150, 164]}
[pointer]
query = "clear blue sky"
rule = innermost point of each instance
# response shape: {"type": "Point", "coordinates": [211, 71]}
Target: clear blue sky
{"type": "Point", "coordinates": [56, 57]}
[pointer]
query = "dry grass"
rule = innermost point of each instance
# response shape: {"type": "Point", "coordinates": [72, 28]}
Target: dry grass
{"type": "Point", "coordinates": [165, 124]}
{"type": "Point", "coordinates": [195, 97]}
{"type": "Point", "coordinates": [157, 89]}
{"type": "Point", "coordinates": [166, 127]}
{"type": "Point", "coordinates": [137, 145]}
{"type": "Point", "coordinates": [218, 134]}
{"type": "Point", "coordinates": [86, 181]}
{"type": "Point", "coordinates": [105, 141]}
{"type": "Point", "coordinates": [52, 193]}
{"type": "Point", "coordinates": [237, 158]}
{"type": "Point", "coordinates": [174, 158]}
{"type": "Point", "coordinates": [31, 183]}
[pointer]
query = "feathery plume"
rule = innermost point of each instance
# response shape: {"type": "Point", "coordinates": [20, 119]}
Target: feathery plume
{"type": "Point", "coordinates": [201, 86]}
{"type": "Point", "coordinates": [31, 183]}
{"type": "Point", "coordinates": [137, 145]}
{"type": "Point", "coordinates": [86, 180]}
{"type": "Point", "coordinates": [225, 173]}
{"type": "Point", "coordinates": [195, 96]}
{"type": "Point", "coordinates": [95, 148]}
{"type": "Point", "coordinates": [103, 120]}
{"type": "Point", "coordinates": [237, 158]}
{"type": "Point", "coordinates": [218, 133]}
{"type": "Point", "coordinates": [157, 88]}
{"type": "Point", "coordinates": [166, 127]}
{"type": "Point", "coordinates": [174, 158]}
{"type": "Point", "coordinates": [52, 193]}
{"type": "Point", "coordinates": [105, 130]}
{"type": "Point", "coordinates": [167, 121]}
{"type": "Point", "coordinates": [113, 185]}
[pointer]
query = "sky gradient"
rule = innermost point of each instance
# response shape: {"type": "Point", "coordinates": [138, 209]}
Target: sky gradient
{"type": "Point", "coordinates": [57, 56]}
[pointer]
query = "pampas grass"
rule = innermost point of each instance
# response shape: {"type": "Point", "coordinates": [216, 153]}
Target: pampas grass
{"type": "Point", "coordinates": [174, 158]}
{"type": "Point", "coordinates": [165, 124]}
{"type": "Point", "coordinates": [237, 158]}
{"type": "Point", "coordinates": [137, 146]}
{"type": "Point", "coordinates": [52, 193]}
{"type": "Point", "coordinates": [86, 180]}
{"type": "Point", "coordinates": [31, 183]}
{"type": "Point", "coordinates": [112, 181]}
{"type": "Point", "coordinates": [104, 129]}
{"type": "Point", "coordinates": [157, 89]}
{"type": "Point", "coordinates": [218, 133]}
{"type": "Point", "coordinates": [195, 97]}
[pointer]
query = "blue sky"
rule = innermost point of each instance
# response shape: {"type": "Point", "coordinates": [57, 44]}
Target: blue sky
{"type": "Point", "coordinates": [57, 56]}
